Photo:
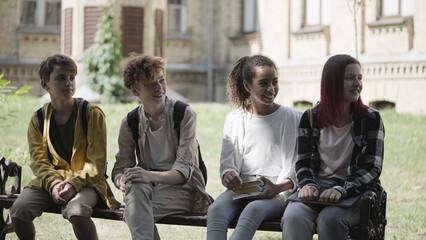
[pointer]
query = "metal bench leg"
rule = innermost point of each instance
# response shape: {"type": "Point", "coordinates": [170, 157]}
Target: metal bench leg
{"type": "Point", "coordinates": [8, 169]}
{"type": "Point", "coordinates": [3, 226]}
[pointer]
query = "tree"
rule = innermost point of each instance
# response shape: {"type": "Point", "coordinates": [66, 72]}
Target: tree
{"type": "Point", "coordinates": [354, 5]}
{"type": "Point", "coordinates": [102, 60]}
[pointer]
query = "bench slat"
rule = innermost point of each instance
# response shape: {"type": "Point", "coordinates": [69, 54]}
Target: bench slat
{"type": "Point", "coordinates": [372, 220]}
{"type": "Point", "coordinates": [187, 219]}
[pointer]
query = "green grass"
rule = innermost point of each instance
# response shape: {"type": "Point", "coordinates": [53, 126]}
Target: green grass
{"type": "Point", "coordinates": [402, 175]}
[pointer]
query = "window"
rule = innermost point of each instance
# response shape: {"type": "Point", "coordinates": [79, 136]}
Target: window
{"type": "Point", "coordinates": [176, 17]}
{"type": "Point", "coordinates": [395, 8]}
{"type": "Point", "coordinates": [317, 12]}
{"type": "Point", "coordinates": [251, 16]}
{"type": "Point", "coordinates": [40, 13]}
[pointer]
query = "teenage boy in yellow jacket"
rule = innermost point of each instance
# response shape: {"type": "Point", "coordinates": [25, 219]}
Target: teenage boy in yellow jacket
{"type": "Point", "coordinates": [69, 163]}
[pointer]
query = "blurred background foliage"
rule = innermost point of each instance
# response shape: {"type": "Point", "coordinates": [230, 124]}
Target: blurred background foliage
{"type": "Point", "coordinates": [101, 61]}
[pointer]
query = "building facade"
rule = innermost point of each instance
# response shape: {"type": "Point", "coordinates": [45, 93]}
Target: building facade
{"type": "Point", "coordinates": [200, 39]}
{"type": "Point", "coordinates": [30, 31]}
{"type": "Point", "coordinates": [387, 36]}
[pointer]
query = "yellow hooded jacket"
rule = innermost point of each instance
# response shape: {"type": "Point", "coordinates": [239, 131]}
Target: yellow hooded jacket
{"type": "Point", "coordinates": [88, 161]}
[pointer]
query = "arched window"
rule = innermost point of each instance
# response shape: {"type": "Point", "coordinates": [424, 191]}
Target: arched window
{"type": "Point", "coordinates": [382, 104]}
{"type": "Point", "coordinates": [302, 103]}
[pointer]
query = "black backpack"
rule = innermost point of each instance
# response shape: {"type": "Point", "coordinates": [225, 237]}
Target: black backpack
{"type": "Point", "coordinates": [84, 121]}
{"type": "Point", "coordinates": [178, 113]}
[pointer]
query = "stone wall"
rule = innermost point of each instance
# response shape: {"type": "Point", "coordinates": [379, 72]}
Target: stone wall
{"type": "Point", "coordinates": [38, 45]}
{"type": "Point", "coordinates": [401, 83]}
{"type": "Point", "coordinates": [8, 24]}
{"type": "Point", "coordinates": [21, 75]}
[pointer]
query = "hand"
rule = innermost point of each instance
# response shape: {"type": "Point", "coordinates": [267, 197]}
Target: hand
{"type": "Point", "coordinates": [67, 192]}
{"type": "Point", "coordinates": [232, 180]}
{"type": "Point", "coordinates": [122, 183]}
{"type": "Point", "coordinates": [308, 193]}
{"type": "Point", "coordinates": [119, 182]}
{"type": "Point", "coordinates": [270, 189]}
{"type": "Point", "coordinates": [55, 194]}
{"type": "Point", "coordinates": [136, 174]}
{"type": "Point", "coordinates": [330, 195]}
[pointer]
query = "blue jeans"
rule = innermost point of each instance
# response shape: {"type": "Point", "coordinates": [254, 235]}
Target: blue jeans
{"type": "Point", "coordinates": [224, 210]}
{"type": "Point", "coordinates": [300, 221]}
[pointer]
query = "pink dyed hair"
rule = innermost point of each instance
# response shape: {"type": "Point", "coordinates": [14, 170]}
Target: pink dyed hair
{"type": "Point", "coordinates": [332, 108]}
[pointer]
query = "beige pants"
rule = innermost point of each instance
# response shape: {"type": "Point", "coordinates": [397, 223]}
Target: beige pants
{"type": "Point", "coordinates": [147, 203]}
{"type": "Point", "coordinates": [31, 203]}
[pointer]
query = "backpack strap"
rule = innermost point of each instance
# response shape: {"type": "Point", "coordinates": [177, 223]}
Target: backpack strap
{"type": "Point", "coordinates": [40, 119]}
{"type": "Point", "coordinates": [133, 123]}
{"type": "Point", "coordinates": [84, 116]}
{"type": "Point", "coordinates": [311, 118]}
{"type": "Point", "coordinates": [178, 113]}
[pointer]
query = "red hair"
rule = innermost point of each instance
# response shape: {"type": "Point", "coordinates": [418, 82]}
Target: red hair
{"type": "Point", "coordinates": [332, 108]}
{"type": "Point", "coordinates": [143, 68]}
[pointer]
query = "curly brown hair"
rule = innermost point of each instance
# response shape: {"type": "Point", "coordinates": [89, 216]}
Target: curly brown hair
{"type": "Point", "coordinates": [143, 68]}
{"type": "Point", "coordinates": [243, 69]}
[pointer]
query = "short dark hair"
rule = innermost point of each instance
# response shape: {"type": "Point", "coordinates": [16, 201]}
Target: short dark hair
{"type": "Point", "coordinates": [47, 66]}
{"type": "Point", "coordinates": [143, 68]}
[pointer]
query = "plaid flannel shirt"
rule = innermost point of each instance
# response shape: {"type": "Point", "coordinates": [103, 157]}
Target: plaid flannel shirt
{"type": "Point", "coordinates": [367, 156]}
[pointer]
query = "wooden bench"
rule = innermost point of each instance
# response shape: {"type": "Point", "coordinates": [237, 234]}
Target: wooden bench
{"type": "Point", "coordinates": [372, 224]}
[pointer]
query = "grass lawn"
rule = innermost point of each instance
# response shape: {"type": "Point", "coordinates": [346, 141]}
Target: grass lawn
{"type": "Point", "coordinates": [403, 170]}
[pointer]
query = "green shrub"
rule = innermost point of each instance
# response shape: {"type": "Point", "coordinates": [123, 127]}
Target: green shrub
{"type": "Point", "coordinates": [7, 93]}
{"type": "Point", "coordinates": [101, 61]}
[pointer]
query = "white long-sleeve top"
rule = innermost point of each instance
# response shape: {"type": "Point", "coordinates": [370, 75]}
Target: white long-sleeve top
{"type": "Point", "coordinates": [261, 145]}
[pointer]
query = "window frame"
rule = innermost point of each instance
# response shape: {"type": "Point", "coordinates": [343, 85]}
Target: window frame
{"type": "Point", "coordinates": [320, 15]}
{"type": "Point", "coordinates": [255, 18]}
{"type": "Point", "coordinates": [40, 14]}
{"type": "Point", "coordinates": [398, 15]}
{"type": "Point", "coordinates": [183, 28]}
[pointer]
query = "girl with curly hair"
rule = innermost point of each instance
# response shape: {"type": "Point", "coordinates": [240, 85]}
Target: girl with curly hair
{"type": "Point", "coordinates": [259, 142]}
